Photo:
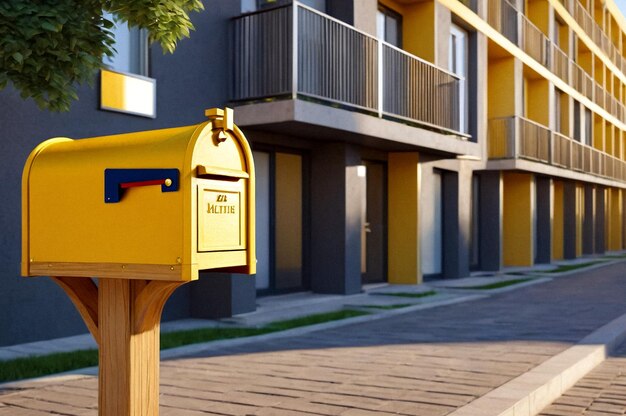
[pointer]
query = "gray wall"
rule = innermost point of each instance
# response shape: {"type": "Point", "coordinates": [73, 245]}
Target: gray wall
{"type": "Point", "coordinates": [192, 79]}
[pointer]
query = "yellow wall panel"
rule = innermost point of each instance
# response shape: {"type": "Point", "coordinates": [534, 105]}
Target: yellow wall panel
{"type": "Point", "coordinates": [418, 27]}
{"type": "Point", "coordinates": [501, 87]}
{"type": "Point", "coordinates": [539, 14]}
{"type": "Point", "coordinates": [615, 219]}
{"type": "Point", "coordinates": [580, 215]}
{"type": "Point", "coordinates": [403, 224]}
{"type": "Point", "coordinates": [538, 101]}
{"type": "Point", "coordinates": [518, 219]}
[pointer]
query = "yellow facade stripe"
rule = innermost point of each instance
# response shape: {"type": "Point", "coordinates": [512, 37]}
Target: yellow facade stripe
{"type": "Point", "coordinates": [580, 215]}
{"type": "Point", "coordinates": [557, 222]}
{"type": "Point", "coordinates": [615, 219]}
{"type": "Point", "coordinates": [517, 219]}
{"type": "Point", "coordinates": [403, 223]}
{"type": "Point", "coordinates": [482, 26]}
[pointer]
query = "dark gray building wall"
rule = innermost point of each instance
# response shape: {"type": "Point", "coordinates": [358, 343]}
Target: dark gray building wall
{"type": "Point", "coordinates": [220, 295]}
{"type": "Point", "coordinates": [588, 220]}
{"type": "Point", "coordinates": [455, 260]}
{"type": "Point", "coordinates": [336, 219]}
{"type": "Point", "coordinates": [191, 80]}
{"type": "Point", "coordinates": [600, 245]}
{"type": "Point", "coordinates": [569, 220]}
{"type": "Point", "coordinates": [543, 227]}
{"type": "Point", "coordinates": [490, 221]}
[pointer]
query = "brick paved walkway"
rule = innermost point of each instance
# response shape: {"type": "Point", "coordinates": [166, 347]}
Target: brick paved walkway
{"type": "Point", "coordinates": [423, 363]}
{"type": "Point", "coordinates": [601, 392]}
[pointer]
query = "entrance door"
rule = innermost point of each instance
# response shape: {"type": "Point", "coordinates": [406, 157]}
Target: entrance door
{"type": "Point", "coordinates": [432, 230]}
{"type": "Point", "coordinates": [279, 221]}
{"type": "Point", "coordinates": [458, 65]}
{"type": "Point", "coordinates": [374, 236]}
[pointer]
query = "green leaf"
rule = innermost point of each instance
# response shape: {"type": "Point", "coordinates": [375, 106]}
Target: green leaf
{"type": "Point", "coordinates": [18, 57]}
{"type": "Point", "coordinates": [49, 26]}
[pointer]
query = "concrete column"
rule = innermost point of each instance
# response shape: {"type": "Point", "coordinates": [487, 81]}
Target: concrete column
{"type": "Point", "coordinates": [443, 20]}
{"type": "Point", "coordinates": [543, 228]}
{"type": "Point", "coordinates": [336, 197]}
{"type": "Point", "coordinates": [364, 13]}
{"type": "Point", "coordinates": [557, 221]}
{"type": "Point", "coordinates": [490, 221]}
{"type": "Point", "coordinates": [589, 220]}
{"type": "Point", "coordinates": [569, 220]}
{"type": "Point", "coordinates": [600, 221]}
{"type": "Point", "coordinates": [518, 219]}
{"type": "Point", "coordinates": [403, 217]}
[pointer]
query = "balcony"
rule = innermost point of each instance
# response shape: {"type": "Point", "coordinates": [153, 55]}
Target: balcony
{"type": "Point", "coordinates": [535, 43]}
{"type": "Point", "coordinates": [520, 138]}
{"type": "Point", "coordinates": [502, 16]}
{"type": "Point", "coordinates": [297, 52]}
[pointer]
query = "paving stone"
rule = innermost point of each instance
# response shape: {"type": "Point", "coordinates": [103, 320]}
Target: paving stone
{"type": "Point", "coordinates": [425, 363]}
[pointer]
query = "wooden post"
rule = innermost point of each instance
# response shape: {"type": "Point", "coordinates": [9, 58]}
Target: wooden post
{"type": "Point", "coordinates": [127, 328]}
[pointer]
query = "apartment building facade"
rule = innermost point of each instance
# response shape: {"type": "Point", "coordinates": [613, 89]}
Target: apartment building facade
{"type": "Point", "coordinates": [394, 141]}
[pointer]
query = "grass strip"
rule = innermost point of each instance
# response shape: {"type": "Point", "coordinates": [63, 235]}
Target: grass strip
{"type": "Point", "coordinates": [388, 307]}
{"type": "Point", "coordinates": [39, 366]}
{"type": "Point", "coordinates": [495, 285]}
{"type": "Point", "coordinates": [569, 267]}
{"type": "Point", "coordinates": [407, 294]}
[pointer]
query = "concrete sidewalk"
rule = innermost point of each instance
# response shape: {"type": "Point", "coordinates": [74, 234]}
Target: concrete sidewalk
{"type": "Point", "coordinates": [459, 359]}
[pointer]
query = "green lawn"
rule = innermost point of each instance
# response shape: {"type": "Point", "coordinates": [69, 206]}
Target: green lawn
{"type": "Point", "coordinates": [388, 307]}
{"type": "Point", "coordinates": [407, 294]}
{"type": "Point", "coordinates": [30, 367]}
{"type": "Point", "coordinates": [569, 267]}
{"type": "Point", "coordinates": [495, 285]}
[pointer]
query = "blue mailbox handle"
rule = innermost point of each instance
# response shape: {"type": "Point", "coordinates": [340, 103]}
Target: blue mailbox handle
{"type": "Point", "coordinates": [116, 180]}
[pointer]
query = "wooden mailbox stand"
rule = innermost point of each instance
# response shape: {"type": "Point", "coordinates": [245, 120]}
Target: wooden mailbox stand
{"type": "Point", "coordinates": [123, 316]}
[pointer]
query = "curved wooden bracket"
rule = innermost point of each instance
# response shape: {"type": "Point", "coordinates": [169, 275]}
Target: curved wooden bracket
{"type": "Point", "coordinates": [150, 298]}
{"type": "Point", "coordinates": [83, 293]}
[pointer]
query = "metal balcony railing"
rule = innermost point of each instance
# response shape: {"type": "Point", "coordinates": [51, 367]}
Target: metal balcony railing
{"type": "Point", "coordinates": [582, 81]}
{"type": "Point", "coordinates": [560, 63]}
{"type": "Point", "coordinates": [535, 43]}
{"type": "Point", "coordinates": [598, 95]}
{"type": "Point", "coordinates": [517, 137]}
{"type": "Point", "coordinates": [297, 51]}
{"type": "Point", "coordinates": [502, 16]}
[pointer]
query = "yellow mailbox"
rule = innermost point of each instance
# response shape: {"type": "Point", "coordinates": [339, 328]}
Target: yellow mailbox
{"type": "Point", "coordinates": [157, 205]}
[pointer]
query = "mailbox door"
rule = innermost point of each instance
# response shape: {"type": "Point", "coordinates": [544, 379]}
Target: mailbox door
{"type": "Point", "coordinates": [221, 214]}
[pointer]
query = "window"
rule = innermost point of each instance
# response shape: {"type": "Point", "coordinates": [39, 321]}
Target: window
{"type": "Point", "coordinates": [459, 64]}
{"type": "Point", "coordinates": [248, 6]}
{"type": "Point", "coordinates": [389, 26]}
{"type": "Point", "coordinates": [124, 87]}
{"type": "Point", "coordinates": [131, 46]}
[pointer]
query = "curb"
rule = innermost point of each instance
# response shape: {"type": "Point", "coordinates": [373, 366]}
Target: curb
{"type": "Point", "coordinates": [530, 393]}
